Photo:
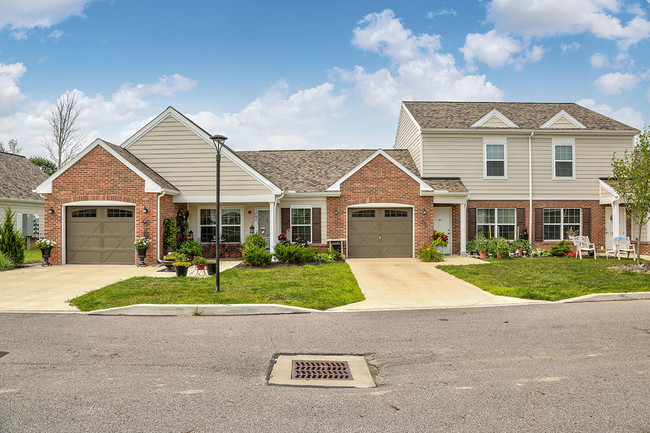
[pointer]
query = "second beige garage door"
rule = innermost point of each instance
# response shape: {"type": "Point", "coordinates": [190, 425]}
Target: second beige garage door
{"type": "Point", "coordinates": [97, 235]}
{"type": "Point", "coordinates": [382, 232]}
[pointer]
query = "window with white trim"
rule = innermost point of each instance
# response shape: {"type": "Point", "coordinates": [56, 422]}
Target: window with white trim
{"type": "Point", "coordinates": [559, 223]}
{"type": "Point", "coordinates": [496, 223]}
{"type": "Point", "coordinates": [300, 224]}
{"type": "Point", "coordinates": [564, 159]}
{"type": "Point", "coordinates": [231, 225]}
{"type": "Point", "coordinates": [495, 158]}
{"type": "Point", "coordinates": [207, 225]}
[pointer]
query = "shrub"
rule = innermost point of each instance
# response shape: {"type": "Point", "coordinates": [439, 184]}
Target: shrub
{"type": "Point", "coordinates": [503, 248]}
{"type": "Point", "coordinates": [481, 243]}
{"type": "Point", "coordinates": [292, 253]}
{"type": "Point", "coordinates": [5, 262]}
{"type": "Point", "coordinates": [539, 253]}
{"type": "Point", "coordinates": [471, 247]}
{"type": "Point", "coordinates": [560, 249]}
{"type": "Point", "coordinates": [430, 254]}
{"type": "Point", "coordinates": [255, 240]}
{"type": "Point", "coordinates": [169, 234]}
{"type": "Point", "coordinates": [522, 245]}
{"type": "Point", "coordinates": [191, 249]}
{"type": "Point", "coordinates": [492, 246]}
{"type": "Point", "coordinates": [335, 255]}
{"type": "Point", "coordinates": [11, 241]}
{"type": "Point", "coordinates": [199, 261]}
{"type": "Point", "coordinates": [178, 256]}
{"type": "Point", "coordinates": [302, 242]}
{"type": "Point", "coordinates": [256, 256]}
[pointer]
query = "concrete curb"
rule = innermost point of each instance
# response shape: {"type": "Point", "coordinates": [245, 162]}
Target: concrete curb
{"type": "Point", "coordinates": [201, 310]}
{"type": "Point", "coordinates": [602, 297]}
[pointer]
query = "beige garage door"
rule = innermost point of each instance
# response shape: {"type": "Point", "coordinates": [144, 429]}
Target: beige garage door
{"type": "Point", "coordinates": [100, 235]}
{"type": "Point", "coordinates": [380, 232]}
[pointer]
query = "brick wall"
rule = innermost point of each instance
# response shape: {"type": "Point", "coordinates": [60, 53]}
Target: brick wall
{"type": "Point", "coordinates": [380, 181]}
{"type": "Point", "coordinates": [597, 215]}
{"type": "Point", "coordinates": [98, 176]}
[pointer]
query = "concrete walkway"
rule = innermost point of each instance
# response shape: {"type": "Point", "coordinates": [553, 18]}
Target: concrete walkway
{"type": "Point", "coordinates": [410, 283]}
{"type": "Point", "coordinates": [37, 288]}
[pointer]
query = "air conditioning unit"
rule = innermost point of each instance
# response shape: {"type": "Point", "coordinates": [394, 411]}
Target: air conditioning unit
{"type": "Point", "coordinates": [31, 227]}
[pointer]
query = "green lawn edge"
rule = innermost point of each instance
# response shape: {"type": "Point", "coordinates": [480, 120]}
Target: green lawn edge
{"type": "Point", "coordinates": [318, 287]}
{"type": "Point", "coordinates": [550, 278]}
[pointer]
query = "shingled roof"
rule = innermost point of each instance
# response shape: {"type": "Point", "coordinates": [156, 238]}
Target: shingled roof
{"type": "Point", "coordinates": [313, 170]}
{"type": "Point", "coordinates": [18, 177]}
{"type": "Point", "coordinates": [527, 115]}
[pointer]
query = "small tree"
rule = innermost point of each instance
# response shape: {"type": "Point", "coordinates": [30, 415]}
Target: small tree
{"type": "Point", "coordinates": [47, 166]}
{"type": "Point", "coordinates": [11, 241]}
{"type": "Point", "coordinates": [632, 176]}
{"type": "Point", "coordinates": [65, 139]}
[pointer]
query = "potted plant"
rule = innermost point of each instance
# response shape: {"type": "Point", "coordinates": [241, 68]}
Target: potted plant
{"type": "Point", "coordinates": [502, 248]}
{"type": "Point", "coordinates": [211, 267]}
{"type": "Point", "coordinates": [200, 262]}
{"type": "Point", "coordinates": [169, 260]}
{"type": "Point", "coordinates": [439, 240]}
{"type": "Point", "coordinates": [141, 244]}
{"type": "Point", "coordinates": [181, 268]}
{"type": "Point", "coordinates": [481, 245]}
{"type": "Point", "coordinates": [46, 246]}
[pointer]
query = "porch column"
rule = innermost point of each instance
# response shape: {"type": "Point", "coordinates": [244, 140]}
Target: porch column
{"type": "Point", "coordinates": [463, 229]}
{"type": "Point", "coordinates": [273, 237]}
{"type": "Point", "coordinates": [615, 220]}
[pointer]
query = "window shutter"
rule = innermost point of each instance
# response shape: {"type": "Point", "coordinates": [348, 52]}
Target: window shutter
{"type": "Point", "coordinates": [471, 220]}
{"type": "Point", "coordinates": [285, 218]}
{"type": "Point", "coordinates": [521, 221]}
{"type": "Point", "coordinates": [586, 222]}
{"type": "Point", "coordinates": [539, 224]}
{"type": "Point", "coordinates": [315, 225]}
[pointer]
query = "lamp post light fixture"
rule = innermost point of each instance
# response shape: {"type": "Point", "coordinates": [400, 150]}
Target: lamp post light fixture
{"type": "Point", "coordinates": [218, 142]}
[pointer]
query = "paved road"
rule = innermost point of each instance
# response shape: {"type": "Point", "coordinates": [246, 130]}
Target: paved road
{"type": "Point", "coordinates": [549, 367]}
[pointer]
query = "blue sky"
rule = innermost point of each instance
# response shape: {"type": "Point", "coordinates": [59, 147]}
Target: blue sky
{"type": "Point", "coordinates": [283, 75]}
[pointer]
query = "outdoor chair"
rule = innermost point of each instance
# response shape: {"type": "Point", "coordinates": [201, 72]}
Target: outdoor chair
{"type": "Point", "coordinates": [624, 245]}
{"type": "Point", "coordinates": [582, 244]}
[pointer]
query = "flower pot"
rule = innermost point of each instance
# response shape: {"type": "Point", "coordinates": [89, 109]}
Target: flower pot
{"type": "Point", "coordinates": [211, 268]}
{"type": "Point", "coordinates": [45, 253]}
{"type": "Point", "coordinates": [483, 255]}
{"type": "Point", "coordinates": [142, 254]}
{"type": "Point", "coordinates": [499, 256]}
{"type": "Point", "coordinates": [169, 264]}
{"type": "Point", "coordinates": [181, 271]}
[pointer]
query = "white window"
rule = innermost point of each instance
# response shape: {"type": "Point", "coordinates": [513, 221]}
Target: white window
{"type": "Point", "coordinates": [564, 159]}
{"type": "Point", "coordinates": [559, 224]}
{"type": "Point", "coordinates": [496, 223]}
{"type": "Point", "coordinates": [495, 164]}
{"type": "Point", "coordinates": [230, 225]}
{"type": "Point", "coordinates": [300, 224]}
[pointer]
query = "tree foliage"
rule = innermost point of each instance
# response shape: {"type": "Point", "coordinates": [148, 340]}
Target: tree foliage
{"type": "Point", "coordinates": [47, 166]}
{"type": "Point", "coordinates": [632, 182]}
{"type": "Point", "coordinates": [65, 139]}
{"type": "Point", "coordinates": [11, 241]}
{"type": "Point", "coordinates": [12, 147]}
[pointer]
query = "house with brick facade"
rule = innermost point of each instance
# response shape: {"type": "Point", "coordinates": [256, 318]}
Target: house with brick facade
{"type": "Point", "coordinates": [501, 169]}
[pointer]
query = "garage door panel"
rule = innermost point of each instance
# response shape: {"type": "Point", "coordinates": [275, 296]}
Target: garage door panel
{"type": "Point", "coordinates": [380, 233]}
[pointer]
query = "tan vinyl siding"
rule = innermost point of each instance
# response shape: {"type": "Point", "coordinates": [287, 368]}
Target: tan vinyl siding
{"type": "Point", "coordinates": [19, 207]}
{"type": "Point", "coordinates": [495, 122]}
{"type": "Point", "coordinates": [562, 123]}
{"type": "Point", "coordinates": [408, 136]}
{"type": "Point", "coordinates": [188, 162]}
{"type": "Point", "coordinates": [462, 156]}
{"type": "Point", "coordinates": [635, 232]}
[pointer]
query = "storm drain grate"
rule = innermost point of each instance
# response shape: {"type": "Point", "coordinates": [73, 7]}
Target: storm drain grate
{"type": "Point", "coordinates": [333, 370]}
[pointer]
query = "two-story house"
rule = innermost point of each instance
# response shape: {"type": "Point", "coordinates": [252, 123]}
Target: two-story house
{"type": "Point", "coordinates": [464, 168]}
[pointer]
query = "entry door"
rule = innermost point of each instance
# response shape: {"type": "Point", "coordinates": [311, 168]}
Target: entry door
{"type": "Point", "coordinates": [263, 226]}
{"type": "Point", "coordinates": [609, 226]}
{"type": "Point", "coordinates": [442, 222]}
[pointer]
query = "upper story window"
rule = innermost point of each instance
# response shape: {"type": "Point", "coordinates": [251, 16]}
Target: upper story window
{"type": "Point", "coordinates": [495, 158]}
{"type": "Point", "coordinates": [301, 224]}
{"type": "Point", "coordinates": [564, 158]}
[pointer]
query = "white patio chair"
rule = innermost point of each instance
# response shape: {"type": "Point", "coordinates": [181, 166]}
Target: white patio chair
{"type": "Point", "coordinates": [624, 245]}
{"type": "Point", "coordinates": [582, 244]}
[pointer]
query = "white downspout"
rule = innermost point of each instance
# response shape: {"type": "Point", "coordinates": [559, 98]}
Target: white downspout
{"type": "Point", "coordinates": [158, 228]}
{"type": "Point", "coordinates": [530, 186]}
{"type": "Point", "coordinates": [273, 238]}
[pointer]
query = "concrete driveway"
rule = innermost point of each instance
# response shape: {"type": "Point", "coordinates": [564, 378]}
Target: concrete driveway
{"type": "Point", "coordinates": [38, 288]}
{"type": "Point", "coordinates": [410, 283]}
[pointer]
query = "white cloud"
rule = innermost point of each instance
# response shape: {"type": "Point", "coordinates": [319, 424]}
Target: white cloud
{"type": "Point", "coordinates": [278, 119]}
{"type": "Point", "coordinates": [442, 12]}
{"type": "Point", "coordinates": [573, 46]}
{"type": "Point", "coordinates": [627, 115]}
{"type": "Point", "coordinates": [56, 35]}
{"type": "Point", "coordinates": [27, 14]}
{"type": "Point", "coordinates": [599, 60]}
{"type": "Point", "coordinates": [10, 94]}
{"type": "Point", "coordinates": [616, 82]}
{"type": "Point", "coordinates": [417, 71]}
{"type": "Point", "coordinates": [557, 17]}
{"type": "Point", "coordinates": [497, 50]}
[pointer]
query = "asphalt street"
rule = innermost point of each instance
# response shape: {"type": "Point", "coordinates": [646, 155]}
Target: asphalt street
{"type": "Point", "coordinates": [552, 368]}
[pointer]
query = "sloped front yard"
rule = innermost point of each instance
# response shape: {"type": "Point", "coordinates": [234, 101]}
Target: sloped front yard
{"type": "Point", "coordinates": [310, 286]}
{"type": "Point", "coordinates": [551, 278]}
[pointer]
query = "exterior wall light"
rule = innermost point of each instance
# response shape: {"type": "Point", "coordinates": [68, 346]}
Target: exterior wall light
{"type": "Point", "coordinates": [51, 211]}
{"type": "Point", "coordinates": [145, 210]}
{"type": "Point", "coordinates": [336, 211]}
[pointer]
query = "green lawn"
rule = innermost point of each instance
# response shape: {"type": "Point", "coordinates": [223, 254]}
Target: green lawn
{"type": "Point", "coordinates": [550, 278]}
{"type": "Point", "coordinates": [319, 287]}
{"type": "Point", "coordinates": [33, 254]}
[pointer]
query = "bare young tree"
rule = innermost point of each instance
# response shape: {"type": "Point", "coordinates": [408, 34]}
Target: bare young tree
{"type": "Point", "coordinates": [65, 139]}
{"type": "Point", "coordinates": [13, 147]}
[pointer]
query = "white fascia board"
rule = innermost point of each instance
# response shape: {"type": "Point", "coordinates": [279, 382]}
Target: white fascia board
{"type": "Point", "coordinates": [290, 194]}
{"type": "Point", "coordinates": [450, 199]}
{"type": "Point", "coordinates": [98, 203]}
{"type": "Point", "coordinates": [611, 194]}
{"type": "Point", "coordinates": [494, 113]}
{"type": "Point", "coordinates": [20, 200]}
{"type": "Point", "coordinates": [567, 116]}
{"type": "Point", "coordinates": [233, 198]}
{"type": "Point", "coordinates": [337, 185]}
{"type": "Point", "coordinates": [378, 205]}
{"type": "Point", "coordinates": [171, 111]}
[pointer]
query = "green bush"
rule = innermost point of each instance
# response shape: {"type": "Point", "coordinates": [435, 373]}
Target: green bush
{"type": "Point", "coordinates": [481, 243]}
{"type": "Point", "coordinates": [256, 256]}
{"type": "Point", "coordinates": [169, 234]}
{"type": "Point", "coordinates": [11, 241]}
{"type": "Point", "coordinates": [191, 249]}
{"type": "Point", "coordinates": [492, 247]}
{"type": "Point", "coordinates": [255, 240]}
{"type": "Point", "coordinates": [503, 248]}
{"type": "Point", "coordinates": [292, 253]}
{"type": "Point", "coordinates": [5, 262]}
{"type": "Point", "coordinates": [471, 247]}
{"type": "Point", "coordinates": [560, 249]}
{"type": "Point", "coordinates": [430, 254]}
{"type": "Point", "coordinates": [522, 245]}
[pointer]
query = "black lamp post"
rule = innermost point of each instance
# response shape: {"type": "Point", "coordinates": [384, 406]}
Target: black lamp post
{"type": "Point", "coordinates": [218, 142]}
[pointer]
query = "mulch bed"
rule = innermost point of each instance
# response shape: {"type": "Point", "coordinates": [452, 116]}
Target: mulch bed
{"type": "Point", "coordinates": [639, 269]}
{"type": "Point", "coordinates": [243, 265]}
